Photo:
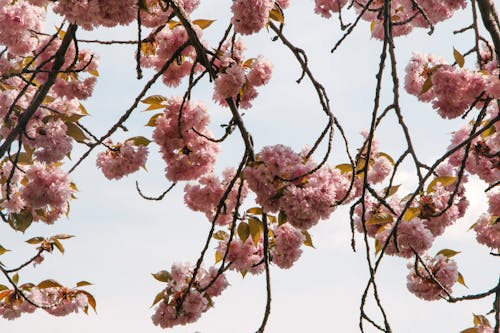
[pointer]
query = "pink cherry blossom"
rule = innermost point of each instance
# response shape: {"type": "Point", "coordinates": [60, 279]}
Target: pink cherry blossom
{"type": "Point", "coordinates": [443, 270]}
{"type": "Point", "coordinates": [250, 16]}
{"type": "Point", "coordinates": [122, 159]}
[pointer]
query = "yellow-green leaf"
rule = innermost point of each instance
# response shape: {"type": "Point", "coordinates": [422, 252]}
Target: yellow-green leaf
{"type": "Point", "coordinates": [139, 141]}
{"type": "Point", "coordinates": [21, 221]}
{"type": "Point", "coordinates": [443, 180]}
{"type": "Point", "coordinates": [390, 191]}
{"type": "Point", "coordinates": [49, 284]}
{"type": "Point", "coordinates": [162, 276]}
{"type": "Point", "coordinates": [281, 217]}
{"type": "Point", "coordinates": [172, 24]}
{"type": "Point", "coordinates": [159, 297]}
{"type": "Point", "coordinates": [459, 58]}
{"type": "Point", "coordinates": [411, 213]}
{"type": "Point", "coordinates": [380, 218]}
{"type": "Point", "coordinates": [248, 63]}
{"type": "Point", "coordinates": [75, 132]}
{"type": "Point", "coordinates": [3, 250]}
{"type": "Point", "coordinates": [385, 155]}
{"type": "Point", "coordinates": [90, 299]}
{"type": "Point", "coordinates": [481, 320]}
{"type": "Point", "coordinates": [152, 120]}
{"type": "Point", "coordinates": [427, 85]}
{"type": "Point", "coordinates": [94, 72]}
{"type": "Point", "coordinates": [243, 231]}
{"type": "Point", "coordinates": [489, 132]}
{"type": "Point", "coordinates": [308, 239]}
{"type": "Point", "coordinates": [256, 229]}
{"type": "Point", "coordinates": [62, 236]}
{"type": "Point", "coordinates": [2, 287]}
{"type": "Point", "coordinates": [255, 211]}
{"type": "Point", "coordinates": [154, 99]}
{"type": "Point", "coordinates": [276, 14]}
{"type": "Point", "coordinates": [460, 279]}
{"type": "Point", "coordinates": [220, 235]}
{"type": "Point", "coordinates": [218, 256]}
{"type": "Point", "coordinates": [470, 330]}
{"type": "Point", "coordinates": [83, 283]}
{"type": "Point", "coordinates": [378, 246]}
{"type": "Point", "coordinates": [58, 245]}
{"type": "Point", "coordinates": [203, 23]}
{"type": "Point", "coordinates": [344, 168]}
{"type": "Point", "coordinates": [448, 253]}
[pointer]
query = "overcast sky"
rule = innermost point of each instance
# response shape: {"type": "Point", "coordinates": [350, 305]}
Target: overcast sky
{"type": "Point", "coordinates": [121, 238]}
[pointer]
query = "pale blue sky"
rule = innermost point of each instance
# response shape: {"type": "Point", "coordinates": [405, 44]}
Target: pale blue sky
{"type": "Point", "coordinates": [122, 238]}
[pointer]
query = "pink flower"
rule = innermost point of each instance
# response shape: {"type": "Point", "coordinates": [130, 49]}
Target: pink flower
{"type": "Point", "coordinates": [47, 186]}
{"type": "Point", "coordinates": [411, 236]}
{"type": "Point", "coordinates": [260, 73]}
{"type": "Point", "coordinates": [487, 230]}
{"type": "Point", "coordinates": [249, 16]}
{"type": "Point", "coordinates": [206, 196]}
{"type": "Point", "coordinates": [122, 159]}
{"type": "Point", "coordinates": [287, 243]}
{"type": "Point", "coordinates": [229, 84]}
{"type": "Point", "coordinates": [188, 155]}
{"type": "Point", "coordinates": [443, 270]}
{"type": "Point", "coordinates": [325, 8]}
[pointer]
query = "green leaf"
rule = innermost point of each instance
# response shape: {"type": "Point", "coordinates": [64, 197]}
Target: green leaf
{"type": "Point", "coordinates": [461, 280]}
{"type": "Point", "coordinates": [2, 287]}
{"type": "Point", "coordinates": [203, 23]}
{"type": "Point", "coordinates": [459, 58]}
{"type": "Point", "coordinates": [255, 211]}
{"type": "Point", "coordinates": [256, 229]}
{"type": "Point", "coordinates": [15, 278]}
{"type": "Point", "coordinates": [443, 180]}
{"type": "Point", "coordinates": [75, 132]}
{"type": "Point", "coordinates": [308, 240]}
{"type": "Point", "coordinates": [139, 141]}
{"type": "Point", "coordinates": [49, 284]}
{"type": "Point", "coordinates": [448, 253]}
{"type": "Point", "coordinates": [243, 231]}
{"type": "Point", "coordinates": [83, 283]}
{"type": "Point", "coordinates": [3, 250]}
{"type": "Point", "coordinates": [162, 276]}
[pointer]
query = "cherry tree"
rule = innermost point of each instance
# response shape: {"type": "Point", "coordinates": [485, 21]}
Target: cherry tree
{"type": "Point", "coordinates": [260, 210]}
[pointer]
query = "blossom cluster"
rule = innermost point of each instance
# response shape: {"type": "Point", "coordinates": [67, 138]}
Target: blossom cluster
{"type": "Point", "coordinates": [58, 301]}
{"type": "Point", "coordinates": [188, 154]}
{"type": "Point", "coordinates": [179, 305]}
{"type": "Point", "coordinates": [238, 78]}
{"type": "Point", "coordinates": [207, 195]}
{"type": "Point", "coordinates": [122, 159]}
{"type": "Point", "coordinates": [487, 227]}
{"type": "Point", "coordinates": [428, 283]}
{"type": "Point", "coordinates": [284, 180]}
